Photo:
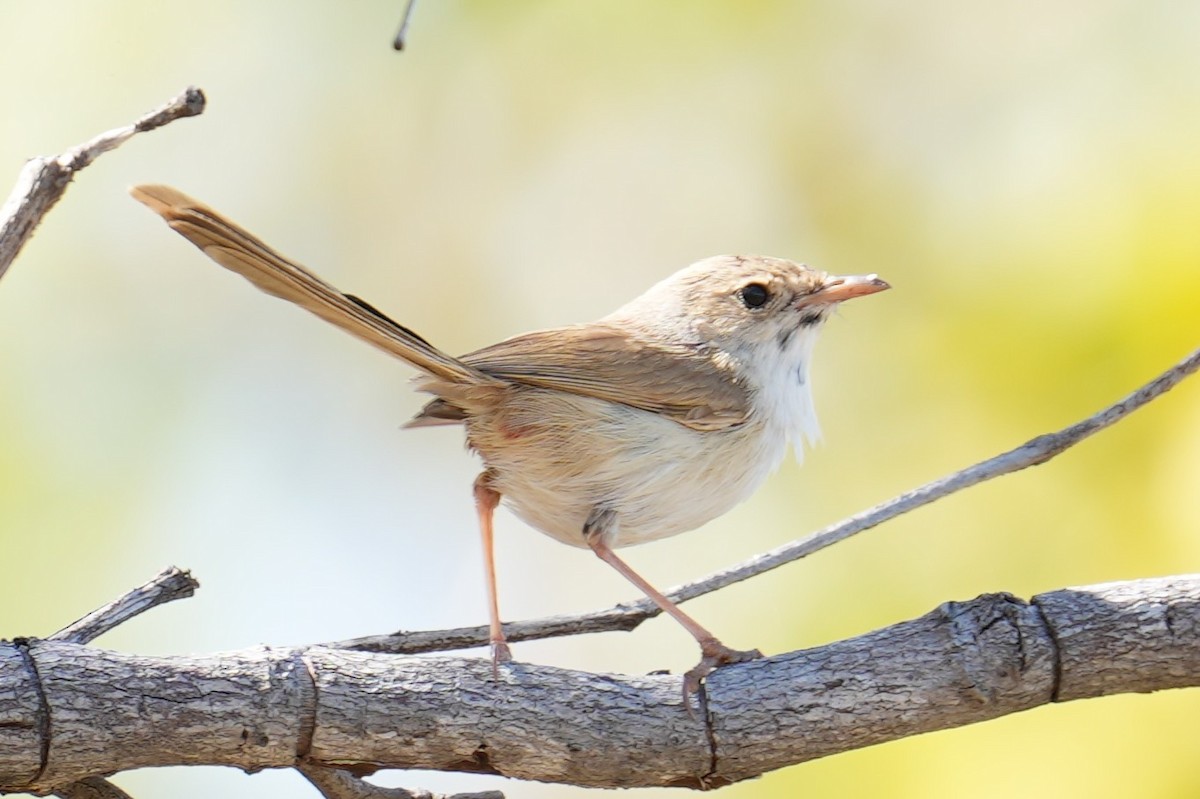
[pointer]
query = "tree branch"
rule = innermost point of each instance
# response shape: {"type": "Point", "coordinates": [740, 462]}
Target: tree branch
{"type": "Point", "coordinates": [356, 711]}
{"type": "Point", "coordinates": [92, 788]}
{"type": "Point", "coordinates": [43, 181]}
{"type": "Point", "coordinates": [629, 615]}
{"type": "Point", "coordinates": [341, 784]}
{"type": "Point", "coordinates": [41, 184]}
{"type": "Point", "coordinates": [402, 34]}
{"type": "Point", "coordinates": [168, 585]}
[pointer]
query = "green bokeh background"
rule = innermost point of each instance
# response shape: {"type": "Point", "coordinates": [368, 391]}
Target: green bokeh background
{"type": "Point", "coordinates": [1026, 175]}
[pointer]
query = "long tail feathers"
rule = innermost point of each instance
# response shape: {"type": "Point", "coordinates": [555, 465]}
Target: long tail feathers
{"type": "Point", "coordinates": [239, 251]}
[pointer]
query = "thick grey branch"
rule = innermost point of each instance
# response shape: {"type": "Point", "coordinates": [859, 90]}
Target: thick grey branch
{"type": "Point", "coordinates": [357, 711]}
{"type": "Point", "coordinates": [43, 181]}
{"type": "Point", "coordinates": [629, 615]}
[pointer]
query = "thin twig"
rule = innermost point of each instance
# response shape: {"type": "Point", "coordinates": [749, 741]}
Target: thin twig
{"type": "Point", "coordinates": [43, 181]}
{"type": "Point", "coordinates": [171, 584]}
{"type": "Point", "coordinates": [91, 788]}
{"type": "Point", "coordinates": [399, 41]}
{"type": "Point", "coordinates": [629, 615]}
{"type": "Point", "coordinates": [340, 784]}
{"type": "Point", "coordinates": [623, 617]}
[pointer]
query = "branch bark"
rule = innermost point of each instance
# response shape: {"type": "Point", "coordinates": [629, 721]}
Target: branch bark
{"type": "Point", "coordinates": [70, 712]}
{"type": "Point", "coordinates": [40, 185]}
{"type": "Point", "coordinates": [166, 586]}
{"type": "Point", "coordinates": [43, 181]}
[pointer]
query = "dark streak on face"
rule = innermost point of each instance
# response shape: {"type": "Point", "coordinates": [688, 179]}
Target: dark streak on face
{"type": "Point", "coordinates": [812, 317]}
{"type": "Point", "coordinates": [807, 319]}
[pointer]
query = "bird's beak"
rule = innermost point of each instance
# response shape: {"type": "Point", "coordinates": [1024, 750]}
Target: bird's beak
{"type": "Point", "coordinates": [839, 289]}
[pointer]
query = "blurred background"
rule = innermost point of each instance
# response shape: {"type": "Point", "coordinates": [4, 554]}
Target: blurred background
{"type": "Point", "coordinates": [1026, 176]}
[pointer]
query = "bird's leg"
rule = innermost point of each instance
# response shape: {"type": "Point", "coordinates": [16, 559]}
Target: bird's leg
{"type": "Point", "coordinates": [601, 524]}
{"type": "Point", "coordinates": [486, 500]}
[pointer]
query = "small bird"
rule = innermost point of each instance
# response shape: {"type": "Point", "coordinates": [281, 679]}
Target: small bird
{"type": "Point", "coordinates": [644, 424]}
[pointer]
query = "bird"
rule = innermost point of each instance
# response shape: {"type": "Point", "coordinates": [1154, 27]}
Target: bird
{"type": "Point", "coordinates": [644, 424]}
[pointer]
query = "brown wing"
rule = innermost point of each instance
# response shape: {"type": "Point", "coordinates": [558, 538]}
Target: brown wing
{"type": "Point", "coordinates": [597, 360]}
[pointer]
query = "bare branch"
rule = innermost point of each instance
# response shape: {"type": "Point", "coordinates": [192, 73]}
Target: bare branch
{"type": "Point", "coordinates": [629, 615]}
{"type": "Point", "coordinates": [340, 784]}
{"type": "Point", "coordinates": [623, 617]}
{"type": "Point", "coordinates": [402, 34]}
{"type": "Point", "coordinates": [167, 586]}
{"type": "Point", "coordinates": [43, 181]}
{"type": "Point", "coordinates": [358, 712]}
{"type": "Point", "coordinates": [92, 788]}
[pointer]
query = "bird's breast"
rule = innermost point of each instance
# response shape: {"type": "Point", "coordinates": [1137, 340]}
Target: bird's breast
{"type": "Point", "coordinates": [557, 456]}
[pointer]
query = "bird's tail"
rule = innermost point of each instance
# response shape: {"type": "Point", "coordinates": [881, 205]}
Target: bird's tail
{"type": "Point", "coordinates": [239, 251]}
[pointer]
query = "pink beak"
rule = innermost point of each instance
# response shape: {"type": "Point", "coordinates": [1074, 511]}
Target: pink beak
{"type": "Point", "coordinates": [839, 289]}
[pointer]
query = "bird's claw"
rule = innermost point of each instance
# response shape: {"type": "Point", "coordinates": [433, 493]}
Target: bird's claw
{"type": "Point", "coordinates": [500, 654]}
{"type": "Point", "coordinates": [712, 657]}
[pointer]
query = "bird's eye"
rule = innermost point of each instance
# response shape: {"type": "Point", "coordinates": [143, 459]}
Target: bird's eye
{"type": "Point", "coordinates": [754, 295]}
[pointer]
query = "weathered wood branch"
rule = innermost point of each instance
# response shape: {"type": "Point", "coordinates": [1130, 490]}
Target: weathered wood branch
{"type": "Point", "coordinates": [167, 586]}
{"type": "Point", "coordinates": [69, 712]}
{"type": "Point", "coordinates": [40, 185]}
{"type": "Point", "coordinates": [92, 788]}
{"type": "Point", "coordinates": [43, 181]}
{"type": "Point", "coordinates": [341, 784]}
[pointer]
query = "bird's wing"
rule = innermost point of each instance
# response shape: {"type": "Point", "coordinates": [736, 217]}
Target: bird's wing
{"type": "Point", "coordinates": [682, 382]}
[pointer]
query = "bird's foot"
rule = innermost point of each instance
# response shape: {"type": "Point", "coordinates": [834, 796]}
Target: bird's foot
{"type": "Point", "coordinates": [713, 655]}
{"type": "Point", "coordinates": [500, 654]}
